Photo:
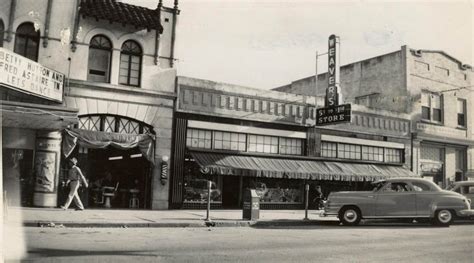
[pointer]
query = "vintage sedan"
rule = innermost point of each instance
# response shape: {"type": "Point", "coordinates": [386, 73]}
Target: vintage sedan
{"type": "Point", "coordinates": [465, 188]}
{"type": "Point", "coordinates": [398, 198]}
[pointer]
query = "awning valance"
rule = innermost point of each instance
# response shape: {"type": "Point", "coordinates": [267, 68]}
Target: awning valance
{"type": "Point", "coordinates": [224, 164]}
{"type": "Point", "coordinates": [96, 139]}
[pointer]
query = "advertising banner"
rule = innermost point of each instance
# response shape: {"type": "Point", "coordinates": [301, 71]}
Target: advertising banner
{"type": "Point", "coordinates": [28, 76]}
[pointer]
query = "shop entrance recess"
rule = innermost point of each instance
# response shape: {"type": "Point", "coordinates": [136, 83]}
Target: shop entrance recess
{"type": "Point", "coordinates": [121, 176]}
{"type": "Point", "coordinates": [232, 194]}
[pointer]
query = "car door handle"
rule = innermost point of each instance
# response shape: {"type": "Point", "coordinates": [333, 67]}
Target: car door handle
{"type": "Point", "coordinates": [370, 196]}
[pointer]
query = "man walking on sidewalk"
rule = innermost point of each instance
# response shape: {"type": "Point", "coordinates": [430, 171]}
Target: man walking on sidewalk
{"type": "Point", "coordinates": [75, 178]}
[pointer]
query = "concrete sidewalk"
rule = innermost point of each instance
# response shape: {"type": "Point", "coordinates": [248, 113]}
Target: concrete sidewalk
{"type": "Point", "coordinates": [55, 217]}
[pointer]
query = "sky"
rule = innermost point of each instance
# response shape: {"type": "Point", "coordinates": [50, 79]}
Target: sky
{"type": "Point", "coordinates": [267, 43]}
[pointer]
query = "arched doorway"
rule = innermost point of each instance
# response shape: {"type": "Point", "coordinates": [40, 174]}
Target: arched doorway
{"type": "Point", "coordinates": [116, 155]}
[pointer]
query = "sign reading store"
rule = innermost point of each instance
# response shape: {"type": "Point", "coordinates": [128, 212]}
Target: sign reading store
{"type": "Point", "coordinates": [28, 76]}
{"type": "Point", "coordinates": [333, 112]}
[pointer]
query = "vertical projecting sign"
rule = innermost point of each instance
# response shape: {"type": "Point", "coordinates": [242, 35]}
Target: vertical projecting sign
{"type": "Point", "coordinates": [332, 93]}
{"type": "Point", "coordinates": [333, 112]}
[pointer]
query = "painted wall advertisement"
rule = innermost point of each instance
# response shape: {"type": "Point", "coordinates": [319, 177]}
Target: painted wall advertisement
{"type": "Point", "coordinates": [28, 76]}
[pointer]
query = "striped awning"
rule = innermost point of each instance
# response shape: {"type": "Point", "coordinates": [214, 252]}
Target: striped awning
{"type": "Point", "coordinates": [242, 165]}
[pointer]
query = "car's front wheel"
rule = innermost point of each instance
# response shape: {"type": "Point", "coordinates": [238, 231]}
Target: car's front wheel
{"type": "Point", "coordinates": [350, 216]}
{"type": "Point", "coordinates": [443, 217]}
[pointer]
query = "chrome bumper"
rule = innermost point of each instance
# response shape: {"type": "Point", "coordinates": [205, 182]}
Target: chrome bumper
{"type": "Point", "coordinates": [466, 213]}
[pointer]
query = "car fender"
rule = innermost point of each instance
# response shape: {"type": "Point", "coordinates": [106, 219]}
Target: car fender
{"type": "Point", "coordinates": [451, 202]}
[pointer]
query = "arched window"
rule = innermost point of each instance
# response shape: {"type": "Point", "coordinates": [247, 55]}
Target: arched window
{"type": "Point", "coordinates": [113, 123]}
{"type": "Point", "coordinates": [2, 32]}
{"type": "Point", "coordinates": [130, 63]}
{"type": "Point", "coordinates": [27, 41]}
{"type": "Point", "coordinates": [100, 55]}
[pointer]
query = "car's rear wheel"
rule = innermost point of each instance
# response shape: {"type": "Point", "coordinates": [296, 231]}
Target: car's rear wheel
{"type": "Point", "coordinates": [350, 216]}
{"type": "Point", "coordinates": [443, 217]}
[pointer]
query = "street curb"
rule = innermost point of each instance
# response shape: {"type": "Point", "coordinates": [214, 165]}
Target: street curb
{"type": "Point", "coordinates": [201, 224]}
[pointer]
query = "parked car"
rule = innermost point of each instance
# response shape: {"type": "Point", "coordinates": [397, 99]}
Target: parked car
{"type": "Point", "coordinates": [465, 188]}
{"type": "Point", "coordinates": [197, 191]}
{"type": "Point", "coordinates": [398, 198]}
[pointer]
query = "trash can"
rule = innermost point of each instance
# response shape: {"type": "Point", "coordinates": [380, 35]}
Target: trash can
{"type": "Point", "coordinates": [251, 206]}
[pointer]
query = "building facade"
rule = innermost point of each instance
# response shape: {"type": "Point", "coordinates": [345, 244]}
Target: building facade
{"type": "Point", "coordinates": [117, 62]}
{"type": "Point", "coordinates": [434, 88]}
{"type": "Point", "coordinates": [240, 137]}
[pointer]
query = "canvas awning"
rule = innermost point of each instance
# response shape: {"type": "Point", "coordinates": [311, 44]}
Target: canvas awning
{"type": "Point", "coordinates": [242, 165]}
{"type": "Point", "coordinates": [96, 139]}
{"type": "Point", "coordinates": [36, 116]}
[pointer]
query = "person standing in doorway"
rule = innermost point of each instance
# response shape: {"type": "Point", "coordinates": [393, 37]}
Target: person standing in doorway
{"type": "Point", "coordinates": [75, 178]}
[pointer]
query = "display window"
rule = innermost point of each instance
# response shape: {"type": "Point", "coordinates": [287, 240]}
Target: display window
{"type": "Point", "coordinates": [18, 176]}
{"type": "Point", "coordinates": [279, 190]}
{"type": "Point", "coordinates": [196, 184]}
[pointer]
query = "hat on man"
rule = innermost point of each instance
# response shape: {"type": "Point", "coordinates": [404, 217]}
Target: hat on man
{"type": "Point", "coordinates": [73, 160]}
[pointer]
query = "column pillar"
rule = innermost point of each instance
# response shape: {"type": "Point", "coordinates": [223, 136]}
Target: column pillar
{"type": "Point", "coordinates": [46, 168]}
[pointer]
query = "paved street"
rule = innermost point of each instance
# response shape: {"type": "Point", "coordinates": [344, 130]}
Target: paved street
{"type": "Point", "coordinates": [371, 242]}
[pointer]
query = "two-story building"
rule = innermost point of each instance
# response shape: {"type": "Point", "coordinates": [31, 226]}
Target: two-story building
{"type": "Point", "coordinates": [434, 88]}
{"type": "Point", "coordinates": [240, 137]}
{"type": "Point", "coordinates": [116, 60]}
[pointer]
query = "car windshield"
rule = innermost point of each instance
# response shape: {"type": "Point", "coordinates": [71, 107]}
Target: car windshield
{"type": "Point", "coordinates": [451, 186]}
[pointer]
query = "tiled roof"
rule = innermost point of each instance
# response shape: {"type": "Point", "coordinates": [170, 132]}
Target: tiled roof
{"type": "Point", "coordinates": [113, 11]}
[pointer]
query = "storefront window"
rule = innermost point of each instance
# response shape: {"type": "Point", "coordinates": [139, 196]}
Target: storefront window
{"type": "Point", "coordinates": [372, 153]}
{"type": "Point", "coordinates": [348, 151]}
{"type": "Point", "coordinates": [290, 146]}
{"type": "Point", "coordinates": [393, 155]}
{"type": "Point", "coordinates": [279, 190]}
{"type": "Point", "coordinates": [229, 141]}
{"type": "Point", "coordinates": [329, 149]}
{"type": "Point", "coordinates": [196, 184]}
{"type": "Point", "coordinates": [199, 138]}
{"type": "Point", "coordinates": [263, 144]}
{"type": "Point", "coordinates": [18, 177]}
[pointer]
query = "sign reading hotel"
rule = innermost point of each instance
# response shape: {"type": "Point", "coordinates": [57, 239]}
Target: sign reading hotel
{"type": "Point", "coordinates": [27, 76]}
{"type": "Point", "coordinates": [333, 113]}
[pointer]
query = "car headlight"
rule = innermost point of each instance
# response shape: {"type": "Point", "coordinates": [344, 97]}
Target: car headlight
{"type": "Point", "coordinates": [468, 203]}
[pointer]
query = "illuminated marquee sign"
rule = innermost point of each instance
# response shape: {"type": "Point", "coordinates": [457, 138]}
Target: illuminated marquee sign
{"type": "Point", "coordinates": [27, 76]}
{"type": "Point", "coordinates": [332, 93]}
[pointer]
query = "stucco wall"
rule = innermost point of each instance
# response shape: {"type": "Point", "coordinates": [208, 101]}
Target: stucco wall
{"type": "Point", "coordinates": [151, 107]}
{"type": "Point", "coordinates": [151, 103]}
{"type": "Point", "coordinates": [382, 74]}
{"type": "Point", "coordinates": [58, 54]}
{"type": "Point", "coordinates": [437, 72]}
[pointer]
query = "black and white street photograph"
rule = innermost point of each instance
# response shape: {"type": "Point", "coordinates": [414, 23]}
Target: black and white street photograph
{"type": "Point", "coordinates": [236, 131]}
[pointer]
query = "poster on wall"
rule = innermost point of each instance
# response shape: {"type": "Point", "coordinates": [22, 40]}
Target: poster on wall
{"type": "Point", "coordinates": [45, 165]}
